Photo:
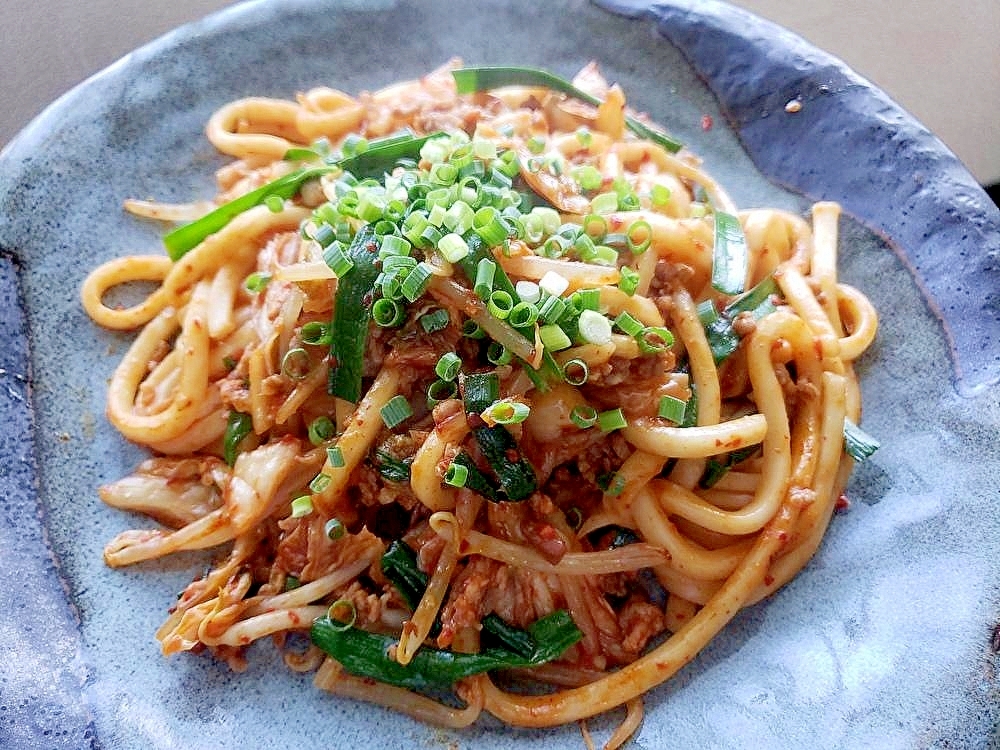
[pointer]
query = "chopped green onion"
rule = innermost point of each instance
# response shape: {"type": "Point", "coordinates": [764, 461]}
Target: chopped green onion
{"type": "Point", "coordinates": [576, 372]}
{"type": "Point", "coordinates": [334, 529]}
{"type": "Point", "coordinates": [639, 236]}
{"type": "Point", "coordinates": [604, 203]}
{"type": "Point", "coordinates": [238, 426]}
{"type": "Point", "coordinates": [295, 363]}
{"type": "Point", "coordinates": [858, 444]}
{"type": "Point", "coordinates": [612, 419]}
{"type": "Point", "coordinates": [337, 259]}
{"type": "Point", "coordinates": [554, 338]}
{"type": "Point", "coordinates": [528, 291]}
{"type": "Point", "coordinates": [396, 411]}
{"type": "Point", "coordinates": [435, 320]}
{"type": "Point", "coordinates": [554, 247]}
{"type": "Point", "coordinates": [583, 416]}
{"type": "Point", "coordinates": [722, 339]}
{"type": "Point", "coordinates": [256, 281]}
{"type": "Point", "coordinates": [628, 324]}
{"type": "Point", "coordinates": [302, 506]}
{"type": "Point", "coordinates": [552, 309]}
{"type": "Point", "coordinates": [506, 411]}
{"type": "Point", "coordinates": [654, 339]}
{"type": "Point", "coordinates": [730, 259]}
{"type": "Point", "coordinates": [628, 280]}
{"type": "Point", "coordinates": [342, 615]}
{"type": "Point", "coordinates": [417, 281]}
{"type": "Point", "coordinates": [321, 429]}
{"type": "Point", "coordinates": [672, 408]}
{"type": "Point", "coordinates": [456, 475]}
{"type": "Point", "coordinates": [602, 255]}
{"type": "Point", "coordinates": [291, 583]}
{"type": "Point", "coordinates": [594, 327]}
{"type": "Point", "coordinates": [488, 225]}
{"type": "Point", "coordinates": [448, 366]}
{"type": "Point", "coordinates": [536, 144]}
{"type": "Point", "coordinates": [335, 457]}
{"type": "Point", "coordinates": [498, 354]}
{"type": "Point", "coordinates": [314, 333]}
{"type": "Point", "coordinates": [471, 330]}
{"type": "Point", "coordinates": [553, 283]}
{"type": "Point", "coordinates": [387, 313]}
{"type": "Point", "coordinates": [500, 304]}
{"type": "Point", "coordinates": [453, 247]}
{"type": "Point", "coordinates": [320, 482]}
{"type": "Point", "coordinates": [441, 390]}
{"type": "Point", "coordinates": [707, 312]}
{"type": "Point", "coordinates": [587, 176]}
{"type": "Point", "coordinates": [523, 314]}
{"type": "Point", "coordinates": [586, 299]}
{"type": "Point", "coordinates": [659, 195]}
{"type": "Point", "coordinates": [616, 486]}
{"type": "Point", "coordinates": [485, 272]}
{"type": "Point", "coordinates": [595, 226]}
{"type": "Point", "coordinates": [393, 244]}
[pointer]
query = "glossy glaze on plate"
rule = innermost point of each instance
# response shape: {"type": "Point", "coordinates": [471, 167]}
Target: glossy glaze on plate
{"type": "Point", "coordinates": [884, 639]}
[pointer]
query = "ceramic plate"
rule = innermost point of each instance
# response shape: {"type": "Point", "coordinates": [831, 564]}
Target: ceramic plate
{"type": "Point", "coordinates": [885, 638]}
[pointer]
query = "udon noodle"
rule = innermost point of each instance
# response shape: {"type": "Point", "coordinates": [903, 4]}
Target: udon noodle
{"type": "Point", "coordinates": [446, 376]}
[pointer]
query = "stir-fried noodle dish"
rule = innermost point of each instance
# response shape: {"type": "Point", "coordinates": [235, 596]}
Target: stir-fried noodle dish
{"type": "Point", "coordinates": [484, 394]}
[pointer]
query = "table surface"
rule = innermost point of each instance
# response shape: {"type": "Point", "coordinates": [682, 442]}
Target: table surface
{"type": "Point", "coordinates": [941, 64]}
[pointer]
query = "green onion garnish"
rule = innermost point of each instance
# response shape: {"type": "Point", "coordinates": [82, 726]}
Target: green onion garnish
{"type": "Point", "coordinates": [337, 259]}
{"type": "Point", "coordinates": [672, 408]}
{"type": "Point", "coordinates": [315, 333]}
{"type": "Point", "coordinates": [654, 339]}
{"type": "Point", "coordinates": [452, 246]}
{"type": "Point", "coordinates": [295, 363]}
{"type": "Point", "coordinates": [396, 411]}
{"type": "Point", "coordinates": [416, 281]}
{"type": "Point", "coordinates": [388, 313]}
{"type": "Point", "coordinates": [456, 475]}
{"type": "Point", "coordinates": [628, 324]}
{"type": "Point", "coordinates": [639, 236]}
{"type": "Point", "coordinates": [485, 272]}
{"type": "Point", "coordinates": [498, 354]}
{"type": "Point", "coordinates": [506, 411]}
{"type": "Point", "coordinates": [552, 309]}
{"type": "Point", "coordinates": [334, 529]}
{"type": "Point", "coordinates": [612, 419]}
{"type": "Point", "coordinates": [731, 256]}
{"type": "Point", "coordinates": [628, 280]}
{"type": "Point", "coordinates": [302, 506]}
{"type": "Point", "coordinates": [335, 457]}
{"type": "Point", "coordinates": [342, 615]}
{"type": "Point", "coordinates": [722, 339]}
{"type": "Point", "coordinates": [858, 444]}
{"type": "Point", "coordinates": [238, 426]}
{"type": "Point", "coordinates": [488, 224]}
{"type": "Point", "coordinates": [393, 244]}
{"type": "Point", "coordinates": [553, 337]}
{"type": "Point", "coordinates": [583, 416]}
{"type": "Point", "coordinates": [469, 80]}
{"type": "Point", "coordinates": [441, 390]}
{"type": "Point", "coordinates": [576, 372]}
{"type": "Point", "coordinates": [586, 299]}
{"type": "Point", "coordinates": [256, 281]}
{"type": "Point", "coordinates": [320, 482]}
{"type": "Point", "coordinates": [471, 330]}
{"type": "Point", "coordinates": [435, 320]}
{"type": "Point", "coordinates": [594, 327]}
{"type": "Point", "coordinates": [659, 195]}
{"type": "Point", "coordinates": [500, 304]}
{"type": "Point", "coordinates": [523, 314]}
{"type": "Point", "coordinates": [448, 366]}
{"type": "Point", "coordinates": [604, 203]}
{"type": "Point", "coordinates": [321, 429]}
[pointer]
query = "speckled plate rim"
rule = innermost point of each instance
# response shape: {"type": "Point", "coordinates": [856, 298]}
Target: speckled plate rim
{"type": "Point", "coordinates": [949, 210]}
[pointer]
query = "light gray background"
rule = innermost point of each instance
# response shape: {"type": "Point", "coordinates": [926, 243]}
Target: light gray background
{"type": "Point", "coordinates": [940, 61]}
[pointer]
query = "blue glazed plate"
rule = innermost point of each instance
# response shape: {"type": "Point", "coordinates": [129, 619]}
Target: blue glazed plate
{"type": "Point", "coordinates": [884, 640]}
